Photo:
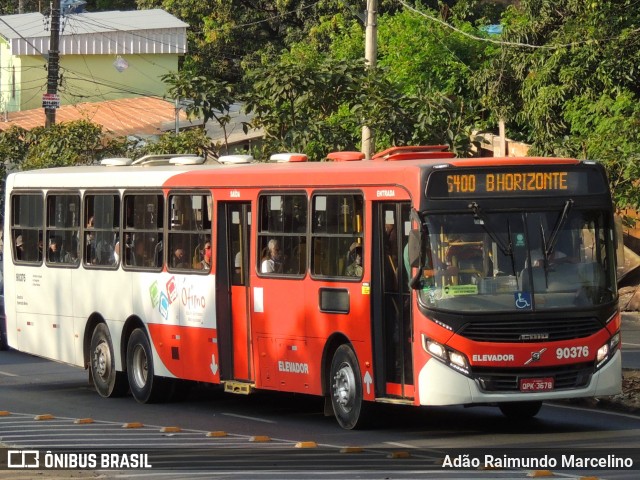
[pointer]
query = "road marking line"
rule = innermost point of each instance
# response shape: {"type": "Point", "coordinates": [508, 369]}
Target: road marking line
{"type": "Point", "coordinates": [398, 444]}
{"type": "Point", "coordinates": [7, 374]}
{"type": "Point", "coordinates": [264, 420]}
{"type": "Point", "coordinates": [604, 412]}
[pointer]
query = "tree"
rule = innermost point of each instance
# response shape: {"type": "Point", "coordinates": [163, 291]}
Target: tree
{"type": "Point", "coordinates": [66, 144]}
{"type": "Point", "coordinates": [573, 91]}
{"type": "Point", "coordinates": [207, 98]}
{"type": "Point", "coordinates": [187, 141]}
{"type": "Point", "coordinates": [322, 95]}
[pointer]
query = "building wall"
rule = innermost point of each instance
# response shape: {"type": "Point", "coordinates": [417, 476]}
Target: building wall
{"type": "Point", "coordinates": [85, 78]}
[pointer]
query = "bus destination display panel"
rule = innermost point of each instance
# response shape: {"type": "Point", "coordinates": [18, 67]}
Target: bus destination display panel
{"type": "Point", "coordinates": [521, 182]}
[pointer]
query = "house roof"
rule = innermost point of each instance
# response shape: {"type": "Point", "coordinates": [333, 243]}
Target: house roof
{"type": "Point", "coordinates": [115, 32]}
{"type": "Point", "coordinates": [127, 116]}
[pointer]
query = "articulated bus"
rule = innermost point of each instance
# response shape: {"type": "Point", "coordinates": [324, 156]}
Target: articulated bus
{"type": "Point", "coordinates": [413, 278]}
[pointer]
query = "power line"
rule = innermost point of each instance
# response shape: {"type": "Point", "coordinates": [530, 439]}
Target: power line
{"type": "Point", "coordinates": [503, 42]}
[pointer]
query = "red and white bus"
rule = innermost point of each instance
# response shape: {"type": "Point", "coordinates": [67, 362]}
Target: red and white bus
{"type": "Point", "coordinates": [413, 278]}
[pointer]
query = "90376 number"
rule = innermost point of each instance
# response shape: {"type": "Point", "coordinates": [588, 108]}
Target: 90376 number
{"type": "Point", "coordinates": [572, 352]}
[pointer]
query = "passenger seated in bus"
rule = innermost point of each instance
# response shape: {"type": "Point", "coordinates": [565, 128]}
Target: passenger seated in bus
{"type": "Point", "coordinates": [272, 262]}
{"type": "Point", "coordinates": [19, 248]}
{"type": "Point", "coordinates": [55, 254]}
{"type": "Point", "coordinates": [90, 243]}
{"type": "Point", "coordinates": [138, 256]}
{"type": "Point", "coordinates": [116, 252]}
{"type": "Point", "coordinates": [179, 259]}
{"type": "Point", "coordinates": [354, 269]}
{"type": "Point", "coordinates": [537, 258]}
{"type": "Point", "coordinates": [205, 264]}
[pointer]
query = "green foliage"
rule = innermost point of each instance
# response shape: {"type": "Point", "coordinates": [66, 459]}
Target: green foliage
{"type": "Point", "coordinates": [187, 141]}
{"type": "Point", "coordinates": [322, 95]}
{"type": "Point", "coordinates": [66, 144]}
{"type": "Point", "coordinates": [13, 146]}
{"type": "Point", "coordinates": [577, 94]}
{"type": "Point", "coordinates": [208, 98]}
{"type": "Point", "coordinates": [303, 106]}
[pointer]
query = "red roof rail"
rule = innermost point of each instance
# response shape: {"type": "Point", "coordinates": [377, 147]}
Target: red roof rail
{"type": "Point", "coordinates": [414, 152]}
{"type": "Point", "coordinates": [345, 156]}
{"type": "Point", "coordinates": [416, 156]}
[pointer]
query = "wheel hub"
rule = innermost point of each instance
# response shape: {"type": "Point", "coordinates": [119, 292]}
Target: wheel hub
{"type": "Point", "coordinates": [102, 360]}
{"type": "Point", "coordinates": [140, 367]}
{"type": "Point", "coordinates": [343, 388]}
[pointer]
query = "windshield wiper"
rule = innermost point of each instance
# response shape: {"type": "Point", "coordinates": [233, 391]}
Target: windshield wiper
{"type": "Point", "coordinates": [505, 248]}
{"type": "Point", "coordinates": [548, 248]}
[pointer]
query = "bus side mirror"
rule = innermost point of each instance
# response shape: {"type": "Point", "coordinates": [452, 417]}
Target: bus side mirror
{"type": "Point", "coordinates": [414, 248]}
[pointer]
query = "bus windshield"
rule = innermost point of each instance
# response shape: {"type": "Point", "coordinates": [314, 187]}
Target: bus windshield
{"type": "Point", "coordinates": [484, 260]}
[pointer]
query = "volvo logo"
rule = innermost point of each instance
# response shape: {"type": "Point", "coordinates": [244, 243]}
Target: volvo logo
{"type": "Point", "coordinates": [535, 356]}
{"type": "Point", "coordinates": [534, 336]}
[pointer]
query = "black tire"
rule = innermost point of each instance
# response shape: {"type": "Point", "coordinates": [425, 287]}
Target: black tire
{"type": "Point", "coordinates": [520, 410]}
{"type": "Point", "coordinates": [345, 389]}
{"type": "Point", "coordinates": [144, 385]}
{"type": "Point", "coordinates": [108, 381]}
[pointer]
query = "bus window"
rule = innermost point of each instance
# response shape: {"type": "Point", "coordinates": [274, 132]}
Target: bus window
{"type": "Point", "coordinates": [337, 235]}
{"type": "Point", "coordinates": [282, 234]}
{"type": "Point", "coordinates": [102, 229]}
{"type": "Point", "coordinates": [26, 228]}
{"type": "Point", "coordinates": [189, 233]}
{"type": "Point", "coordinates": [142, 235]}
{"type": "Point", "coordinates": [63, 229]}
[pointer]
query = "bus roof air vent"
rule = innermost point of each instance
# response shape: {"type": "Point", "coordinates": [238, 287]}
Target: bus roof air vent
{"type": "Point", "coordinates": [288, 157]}
{"type": "Point", "coordinates": [116, 162]}
{"type": "Point", "coordinates": [186, 160]}
{"type": "Point", "coordinates": [235, 159]}
{"type": "Point", "coordinates": [418, 152]}
{"type": "Point", "coordinates": [167, 159]}
{"type": "Point", "coordinates": [345, 156]}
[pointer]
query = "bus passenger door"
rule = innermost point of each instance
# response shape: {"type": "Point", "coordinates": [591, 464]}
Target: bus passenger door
{"type": "Point", "coordinates": [392, 328]}
{"type": "Point", "coordinates": [232, 291]}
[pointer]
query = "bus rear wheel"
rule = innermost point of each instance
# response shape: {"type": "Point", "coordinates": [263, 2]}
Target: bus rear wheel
{"type": "Point", "coordinates": [346, 389]}
{"type": "Point", "coordinates": [520, 410]}
{"type": "Point", "coordinates": [108, 381]}
{"type": "Point", "coordinates": [145, 386]}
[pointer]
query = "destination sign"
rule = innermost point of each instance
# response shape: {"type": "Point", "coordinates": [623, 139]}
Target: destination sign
{"type": "Point", "coordinates": [463, 184]}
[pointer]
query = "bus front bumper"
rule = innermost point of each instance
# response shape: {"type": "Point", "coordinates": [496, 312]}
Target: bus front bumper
{"type": "Point", "coordinates": [440, 385]}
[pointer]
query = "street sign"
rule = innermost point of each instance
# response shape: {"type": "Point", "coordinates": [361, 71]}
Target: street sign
{"type": "Point", "coordinates": [50, 100]}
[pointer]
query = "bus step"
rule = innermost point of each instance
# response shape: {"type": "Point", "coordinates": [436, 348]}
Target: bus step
{"type": "Point", "coordinates": [395, 401]}
{"type": "Point", "coordinates": [241, 388]}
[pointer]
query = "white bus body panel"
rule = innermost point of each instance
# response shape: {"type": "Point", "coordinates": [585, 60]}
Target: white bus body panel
{"type": "Point", "coordinates": [47, 308]}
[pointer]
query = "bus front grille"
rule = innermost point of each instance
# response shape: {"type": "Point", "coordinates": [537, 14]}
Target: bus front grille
{"type": "Point", "coordinates": [548, 330]}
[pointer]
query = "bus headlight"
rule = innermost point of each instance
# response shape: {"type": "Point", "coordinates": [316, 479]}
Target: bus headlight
{"type": "Point", "coordinates": [453, 358]}
{"type": "Point", "coordinates": [606, 351]}
{"type": "Point", "coordinates": [434, 348]}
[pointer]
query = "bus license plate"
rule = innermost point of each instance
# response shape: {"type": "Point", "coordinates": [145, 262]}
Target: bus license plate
{"type": "Point", "coordinates": [536, 384]}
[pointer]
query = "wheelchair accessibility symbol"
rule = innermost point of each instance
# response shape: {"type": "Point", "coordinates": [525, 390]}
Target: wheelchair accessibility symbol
{"type": "Point", "coordinates": [522, 300]}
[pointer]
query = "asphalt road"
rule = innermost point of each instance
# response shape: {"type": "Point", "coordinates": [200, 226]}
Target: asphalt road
{"type": "Point", "coordinates": [301, 442]}
{"type": "Point", "coordinates": [631, 340]}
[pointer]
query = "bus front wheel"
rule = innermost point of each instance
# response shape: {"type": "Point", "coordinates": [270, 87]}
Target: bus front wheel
{"type": "Point", "coordinates": [346, 389]}
{"type": "Point", "coordinates": [145, 386]}
{"type": "Point", "coordinates": [520, 410]}
{"type": "Point", "coordinates": [108, 381]}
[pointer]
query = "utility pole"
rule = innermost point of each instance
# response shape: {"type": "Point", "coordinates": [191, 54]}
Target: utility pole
{"type": "Point", "coordinates": [370, 56]}
{"type": "Point", "coordinates": [50, 104]}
